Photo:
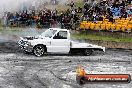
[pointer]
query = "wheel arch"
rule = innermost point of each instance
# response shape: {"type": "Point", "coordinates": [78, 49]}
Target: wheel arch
{"type": "Point", "coordinates": [41, 45]}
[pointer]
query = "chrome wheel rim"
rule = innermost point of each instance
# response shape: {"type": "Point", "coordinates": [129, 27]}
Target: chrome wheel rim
{"type": "Point", "coordinates": [39, 51]}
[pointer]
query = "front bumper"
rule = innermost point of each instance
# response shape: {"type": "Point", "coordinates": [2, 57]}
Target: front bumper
{"type": "Point", "coordinates": [26, 48]}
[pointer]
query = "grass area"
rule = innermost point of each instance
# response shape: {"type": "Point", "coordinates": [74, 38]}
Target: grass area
{"type": "Point", "coordinates": [102, 38]}
{"type": "Point", "coordinates": [79, 4]}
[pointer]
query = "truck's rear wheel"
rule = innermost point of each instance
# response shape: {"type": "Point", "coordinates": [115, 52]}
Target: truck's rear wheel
{"type": "Point", "coordinates": [39, 50]}
{"type": "Point", "coordinates": [88, 52]}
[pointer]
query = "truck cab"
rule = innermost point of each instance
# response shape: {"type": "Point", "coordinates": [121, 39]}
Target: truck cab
{"type": "Point", "coordinates": [55, 40]}
{"type": "Point", "coordinates": [59, 41]}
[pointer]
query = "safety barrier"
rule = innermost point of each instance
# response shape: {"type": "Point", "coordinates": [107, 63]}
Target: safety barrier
{"type": "Point", "coordinates": [123, 24]}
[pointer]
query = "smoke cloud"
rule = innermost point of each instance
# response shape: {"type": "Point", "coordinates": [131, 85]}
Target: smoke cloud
{"type": "Point", "coordinates": [15, 5]}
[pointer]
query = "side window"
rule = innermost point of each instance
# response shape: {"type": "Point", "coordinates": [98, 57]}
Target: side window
{"type": "Point", "coordinates": [61, 35]}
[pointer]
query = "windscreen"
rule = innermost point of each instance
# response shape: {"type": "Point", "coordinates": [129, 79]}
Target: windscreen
{"type": "Point", "coordinates": [49, 33]}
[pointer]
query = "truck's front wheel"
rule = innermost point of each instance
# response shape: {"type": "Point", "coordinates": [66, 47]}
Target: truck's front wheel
{"type": "Point", "coordinates": [39, 50]}
{"type": "Point", "coordinates": [88, 52]}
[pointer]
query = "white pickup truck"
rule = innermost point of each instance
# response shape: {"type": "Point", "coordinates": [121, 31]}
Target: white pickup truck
{"type": "Point", "coordinates": [55, 40]}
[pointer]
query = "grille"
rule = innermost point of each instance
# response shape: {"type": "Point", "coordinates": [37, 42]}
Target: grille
{"type": "Point", "coordinates": [23, 42]}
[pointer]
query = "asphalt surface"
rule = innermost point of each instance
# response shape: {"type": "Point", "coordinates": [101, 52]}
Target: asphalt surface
{"type": "Point", "coordinates": [20, 70]}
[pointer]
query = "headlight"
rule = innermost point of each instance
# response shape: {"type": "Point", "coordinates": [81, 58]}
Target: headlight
{"type": "Point", "coordinates": [24, 42]}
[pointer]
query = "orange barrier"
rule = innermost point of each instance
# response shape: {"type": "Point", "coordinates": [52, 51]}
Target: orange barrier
{"type": "Point", "coordinates": [103, 26]}
{"type": "Point", "coordinates": [97, 26]}
{"type": "Point", "coordinates": [123, 24]}
{"type": "Point", "coordinates": [118, 27]}
{"type": "Point", "coordinates": [87, 25]}
{"type": "Point", "coordinates": [92, 26]}
{"type": "Point", "coordinates": [108, 26]}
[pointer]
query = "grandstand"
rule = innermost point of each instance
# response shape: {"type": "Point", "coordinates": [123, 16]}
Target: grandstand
{"type": "Point", "coordinates": [115, 15]}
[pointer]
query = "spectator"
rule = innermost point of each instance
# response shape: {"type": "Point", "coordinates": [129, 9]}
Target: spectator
{"type": "Point", "coordinates": [125, 15]}
{"type": "Point", "coordinates": [123, 10]}
{"type": "Point", "coordinates": [123, 3]}
{"type": "Point", "coordinates": [94, 16]}
{"type": "Point", "coordinates": [72, 4]}
{"type": "Point", "coordinates": [111, 19]}
{"type": "Point", "coordinates": [5, 20]}
{"type": "Point", "coordinates": [92, 11]}
{"type": "Point", "coordinates": [129, 11]}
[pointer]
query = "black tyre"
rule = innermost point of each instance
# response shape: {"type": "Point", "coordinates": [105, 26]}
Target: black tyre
{"type": "Point", "coordinates": [72, 53]}
{"type": "Point", "coordinates": [39, 50]}
{"type": "Point", "coordinates": [88, 52]}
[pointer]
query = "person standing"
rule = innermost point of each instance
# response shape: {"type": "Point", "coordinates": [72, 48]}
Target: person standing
{"type": "Point", "coordinates": [5, 20]}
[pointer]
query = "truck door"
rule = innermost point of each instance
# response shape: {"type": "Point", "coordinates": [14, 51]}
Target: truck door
{"type": "Point", "coordinates": [60, 43]}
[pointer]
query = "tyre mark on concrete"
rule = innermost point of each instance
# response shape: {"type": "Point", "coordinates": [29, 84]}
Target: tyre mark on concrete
{"type": "Point", "coordinates": [39, 81]}
{"type": "Point", "coordinates": [71, 83]}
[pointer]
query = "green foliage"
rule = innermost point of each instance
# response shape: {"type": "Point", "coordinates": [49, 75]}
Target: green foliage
{"type": "Point", "coordinates": [102, 38]}
{"type": "Point", "coordinates": [79, 4]}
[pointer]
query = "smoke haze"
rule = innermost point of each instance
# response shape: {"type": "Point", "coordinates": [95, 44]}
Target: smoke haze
{"type": "Point", "coordinates": [15, 5]}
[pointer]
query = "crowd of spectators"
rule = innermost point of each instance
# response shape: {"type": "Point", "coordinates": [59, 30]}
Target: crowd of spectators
{"type": "Point", "coordinates": [111, 9]}
{"type": "Point", "coordinates": [92, 11]}
{"type": "Point", "coordinates": [43, 19]}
